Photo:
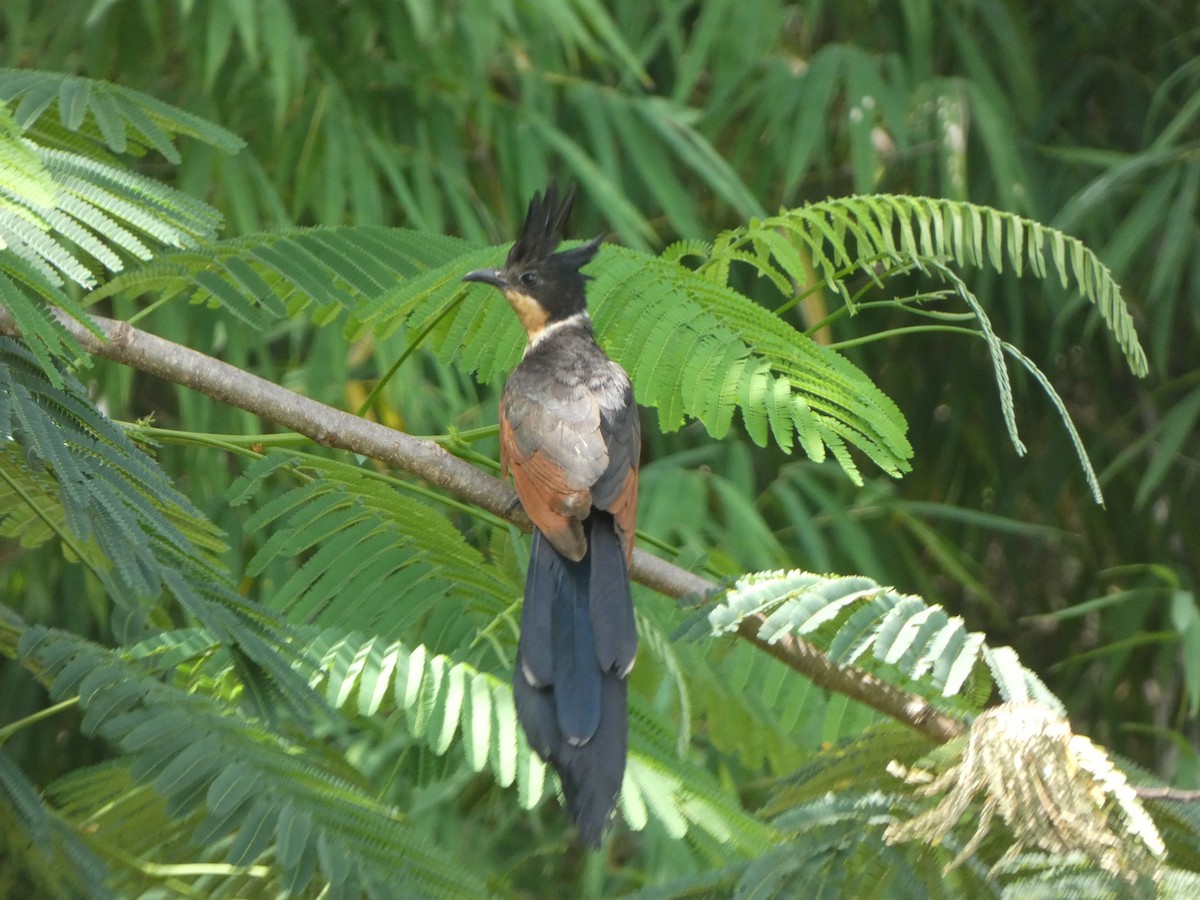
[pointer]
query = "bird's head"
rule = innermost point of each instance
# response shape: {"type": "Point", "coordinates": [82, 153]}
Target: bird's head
{"type": "Point", "coordinates": [543, 286]}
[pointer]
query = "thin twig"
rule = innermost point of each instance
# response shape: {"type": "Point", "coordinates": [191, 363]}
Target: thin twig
{"type": "Point", "coordinates": [331, 427]}
{"type": "Point", "coordinates": [1167, 793]}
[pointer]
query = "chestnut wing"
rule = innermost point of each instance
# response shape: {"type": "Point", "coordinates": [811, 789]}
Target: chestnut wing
{"type": "Point", "coordinates": [571, 443]}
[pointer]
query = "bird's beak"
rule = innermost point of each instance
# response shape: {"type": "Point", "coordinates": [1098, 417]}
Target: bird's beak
{"type": "Point", "coordinates": [487, 276]}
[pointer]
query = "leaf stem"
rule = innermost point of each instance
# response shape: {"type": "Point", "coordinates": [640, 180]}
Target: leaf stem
{"type": "Point", "coordinates": [897, 332]}
{"type": "Point", "coordinates": [897, 303]}
{"type": "Point", "coordinates": [13, 727]}
{"type": "Point", "coordinates": [408, 351]}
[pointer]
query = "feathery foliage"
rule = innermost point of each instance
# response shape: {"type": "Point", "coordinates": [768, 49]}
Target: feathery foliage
{"type": "Point", "coordinates": [860, 622]}
{"type": "Point", "coordinates": [372, 558]}
{"type": "Point", "coordinates": [382, 563]}
{"type": "Point", "coordinates": [879, 235]}
{"type": "Point", "coordinates": [222, 776]}
{"type": "Point", "coordinates": [444, 699]}
{"type": "Point", "coordinates": [692, 348]}
{"type": "Point", "coordinates": [322, 273]}
{"type": "Point", "coordinates": [56, 857]}
{"type": "Point", "coordinates": [693, 345]}
{"type": "Point", "coordinates": [66, 192]}
{"type": "Point", "coordinates": [120, 119]}
{"type": "Point", "coordinates": [68, 207]}
{"type": "Point", "coordinates": [142, 536]}
{"type": "Point", "coordinates": [856, 234]}
{"type": "Point", "coordinates": [679, 119]}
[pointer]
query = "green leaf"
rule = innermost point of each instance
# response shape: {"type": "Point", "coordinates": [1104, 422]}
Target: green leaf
{"type": "Point", "coordinates": [849, 616]}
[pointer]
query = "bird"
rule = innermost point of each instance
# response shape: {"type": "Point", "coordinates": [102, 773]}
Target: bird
{"type": "Point", "coordinates": [571, 440]}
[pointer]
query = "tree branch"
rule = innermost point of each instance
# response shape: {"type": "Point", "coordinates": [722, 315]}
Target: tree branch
{"type": "Point", "coordinates": [331, 427]}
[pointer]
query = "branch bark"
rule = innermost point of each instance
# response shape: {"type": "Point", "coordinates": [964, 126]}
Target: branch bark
{"type": "Point", "coordinates": [331, 427]}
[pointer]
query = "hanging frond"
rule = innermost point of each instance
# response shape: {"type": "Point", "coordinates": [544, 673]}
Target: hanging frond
{"type": "Point", "coordinates": [1178, 822]}
{"type": "Point", "coordinates": [24, 291]}
{"type": "Point", "coordinates": [373, 558]}
{"type": "Point", "coordinates": [683, 798]}
{"type": "Point", "coordinates": [1052, 789]}
{"type": "Point", "coordinates": [69, 209]}
{"type": "Point", "coordinates": [443, 699]}
{"type": "Point", "coordinates": [32, 514]}
{"type": "Point", "coordinates": [321, 272]}
{"type": "Point", "coordinates": [1180, 884]}
{"type": "Point", "coordinates": [656, 642]}
{"type": "Point", "coordinates": [710, 884]}
{"type": "Point", "coordinates": [243, 789]}
{"type": "Point", "coordinates": [23, 175]}
{"type": "Point", "coordinates": [692, 348]}
{"type": "Point", "coordinates": [35, 839]}
{"type": "Point", "coordinates": [116, 509]}
{"type": "Point", "coordinates": [95, 189]}
{"type": "Point", "coordinates": [82, 212]}
{"type": "Point", "coordinates": [838, 237]}
{"type": "Point", "coordinates": [1040, 876]}
{"type": "Point", "coordinates": [835, 841]}
{"type": "Point", "coordinates": [121, 119]}
{"type": "Point", "coordinates": [697, 348]}
{"type": "Point", "coordinates": [860, 622]}
{"type": "Point", "coordinates": [862, 760]}
{"type": "Point", "coordinates": [108, 490]}
{"type": "Point", "coordinates": [752, 706]}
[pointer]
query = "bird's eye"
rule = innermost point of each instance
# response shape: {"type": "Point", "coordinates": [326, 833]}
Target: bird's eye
{"type": "Point", "coordinates": [529, 279]}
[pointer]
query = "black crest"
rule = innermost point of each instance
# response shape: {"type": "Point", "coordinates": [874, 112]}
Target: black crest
{"type": "Point", "coordinates": [544, 229]}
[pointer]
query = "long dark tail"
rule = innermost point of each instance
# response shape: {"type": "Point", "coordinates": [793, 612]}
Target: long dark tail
{"type": "Point", "coordinates": [578, 643]}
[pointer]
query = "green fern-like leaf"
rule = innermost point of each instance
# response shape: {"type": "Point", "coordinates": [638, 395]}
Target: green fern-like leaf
{"type": "Point", "coordinates": [753, 707]}
{"type": "Point", "coordinates": [828, 833]}
{"type": "Point", "coordinates": [241, 788]}
{"type": "Point", "coordinates": [862, 760]}
{"type": "Point", "coordinates": [36, 839]}
{"type": "Point", "coordinates": [69, 208]}
{"type": "Point", "coordinates": [166, 216]}
{"type": "Point", "coordinates": [717, 351]}
{"type": "Point", "coordinates": [33, 513]}
{"type": "Point", "coordinates": [60, 201]}
{"type": "Point", "coordinates": [1038, 875]}
{"type": "Point", "coordinates": [320, 271]}
{"type": "Point", "coordinates": [960, 232]}
{"type": "Point", "coordinates": [121, 119]}
{"type": "Point", "coordinates": [858, 621]}
{"type": "Point", "coordinates": [693, 347]}
{"type": "Point", "coordinates": [23, 176]}
{"type": "Point", "coordinates": [833, 848]}
{"type": "Point", "coordinates": [24, 290]}
{"type": "Point", "coordinates": [442, 698]}
{"type": "Point", "coordinates": [115, 509]}
{"type": "Point", "coordinates": [1179, 884]}
{"type": "Point", "coordinates": [105, 484]}
{"type": "Point", "coordinates": [373, 558]}
{"type": "Point", "coordinates": [854, 233]}
{"type": "Point", "coordinates": [447, 701]}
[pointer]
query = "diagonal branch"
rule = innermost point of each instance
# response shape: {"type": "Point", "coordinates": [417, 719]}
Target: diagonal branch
{"type": "Point", "coordinates": [331, 427]}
